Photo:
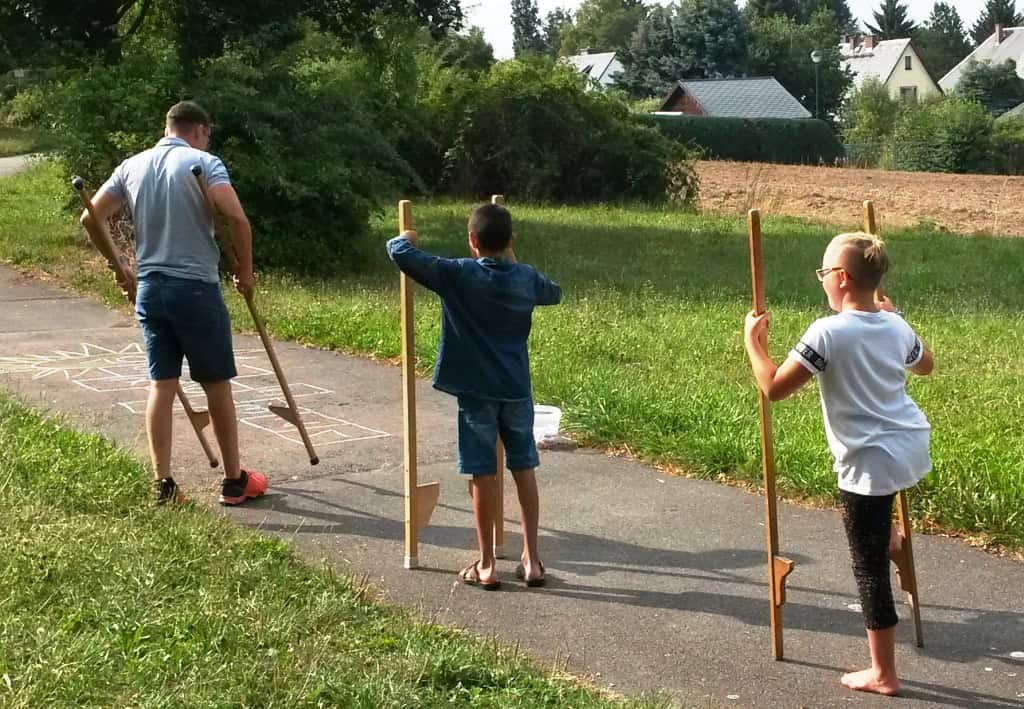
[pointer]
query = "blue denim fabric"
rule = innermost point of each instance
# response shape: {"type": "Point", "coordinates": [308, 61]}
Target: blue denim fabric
{"type": "Point", "coordinates": [486, 311]}
{"type": "Point", "coordinates": [183, 317]}
{"type": "Point", "coordinates": [480, 421]}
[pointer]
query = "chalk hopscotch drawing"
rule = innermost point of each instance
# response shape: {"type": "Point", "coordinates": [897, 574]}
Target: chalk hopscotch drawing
{"type": "Point", "coordinates": [123, 369]}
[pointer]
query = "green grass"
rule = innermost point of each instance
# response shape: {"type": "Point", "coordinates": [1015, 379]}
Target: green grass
{"type": "Point", "coordinates": [110, 601]}
{"type": "Point", "coordinates": [21, 141]}
{"type": "Point", "coordinates": [646, 351]}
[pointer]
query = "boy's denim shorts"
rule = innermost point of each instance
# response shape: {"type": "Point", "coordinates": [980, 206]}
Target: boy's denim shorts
{"type": "Point", "coordinates": [480, 423]}
{"type": "Point", "coordinates": [182, 317]}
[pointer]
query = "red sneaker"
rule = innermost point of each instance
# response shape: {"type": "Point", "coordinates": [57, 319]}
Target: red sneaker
{"type": "Point", "coordinates": [235, 491]}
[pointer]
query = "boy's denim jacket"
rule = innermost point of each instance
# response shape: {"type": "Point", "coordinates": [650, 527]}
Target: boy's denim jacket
{"type": "Point", "coordinates": [486, 309]}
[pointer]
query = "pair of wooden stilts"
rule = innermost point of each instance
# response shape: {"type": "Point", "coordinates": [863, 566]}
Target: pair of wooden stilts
{"type": "Point", "coordinates": [201, 419]}
{"type": "Point", "coordinates": [779, 567]}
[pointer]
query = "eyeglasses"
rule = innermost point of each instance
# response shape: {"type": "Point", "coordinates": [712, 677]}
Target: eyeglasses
{"type": "Point", "coordinates": [822, 272]}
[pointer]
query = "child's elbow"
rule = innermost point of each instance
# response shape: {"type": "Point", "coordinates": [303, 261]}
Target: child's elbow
{"type": "Point", "coordinates": [925, 366]}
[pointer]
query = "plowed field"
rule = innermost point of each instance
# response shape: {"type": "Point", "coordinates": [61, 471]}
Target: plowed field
{"type": "Point", "coordinates": [959, 203]}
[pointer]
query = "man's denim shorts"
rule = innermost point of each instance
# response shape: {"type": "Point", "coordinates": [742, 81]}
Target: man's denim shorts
{"type": "Point", "coordinates": [480, 423]}
{"type": "Point", "coordinates": [179, 318]}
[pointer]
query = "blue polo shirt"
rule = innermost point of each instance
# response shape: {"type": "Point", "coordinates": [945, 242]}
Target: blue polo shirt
{"type": "Point", "coordinates": [174, 232]}
{"type": "Point", "coordinates": [486, 314]}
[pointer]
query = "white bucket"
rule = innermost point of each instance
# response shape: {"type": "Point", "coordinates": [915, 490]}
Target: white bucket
{"type": "Point", "coordinates": [546, 420]}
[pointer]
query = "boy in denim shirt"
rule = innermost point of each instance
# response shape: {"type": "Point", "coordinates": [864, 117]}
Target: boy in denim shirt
{"type": "Point", "coordinates": [486, 306]}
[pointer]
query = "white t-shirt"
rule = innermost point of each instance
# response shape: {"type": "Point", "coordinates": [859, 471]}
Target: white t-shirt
{"type": "Point", "coordinates": [876, 432]}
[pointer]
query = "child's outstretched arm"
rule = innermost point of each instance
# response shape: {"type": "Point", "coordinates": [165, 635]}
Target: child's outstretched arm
{"type": "Point", "coordinates": [426, 269]}
{"type": "Point", "coordinates": [777, 383]}
{"type": "Point", "coordinates": [548, 292]}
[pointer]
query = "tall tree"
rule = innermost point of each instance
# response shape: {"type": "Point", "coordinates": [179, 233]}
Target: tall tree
{"type": "Point", "coordinates": [652, 62]}
{"type": "Point", "coordinates": [842, 18]}
{"type": "Point", "coordinates": [688, 39]}
{"type": "Point", "coordinates": [203, 26]}
{"type": "Point", "coordinates": [995, 12]}
{"type": "Point", "coordinates": [526, 38]}
{"type": "Point", "coordinates": [603, 25]}
{"type": "Point", "coordinates": [469, 51]}
{"type": "Point", "coordinates": [942, 42]}
{"type": "Point", "coordinates": [769, 8]}
{"type": "Point", "coordinates": [892, 21]}
{"type": "Point", "coordinates": [556, 24]}
{"type": "Point", "coordinates": [781, 47]}
{"type": "Point", "coordinates": [714, 34]}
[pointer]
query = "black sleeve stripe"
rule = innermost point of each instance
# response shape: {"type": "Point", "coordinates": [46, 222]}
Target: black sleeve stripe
{"type": "Point", "coordinates": [915, 353]}
{"type": "Point", "coordinates": [808, 353]}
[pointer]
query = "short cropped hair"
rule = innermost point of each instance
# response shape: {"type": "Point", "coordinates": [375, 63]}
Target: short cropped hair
{"type": "Point", "coordinates": [492, 224]}
{"type": "Point", "coordinates": [184, 115]}
{"type": "Point", "coordinates": [864, 257]}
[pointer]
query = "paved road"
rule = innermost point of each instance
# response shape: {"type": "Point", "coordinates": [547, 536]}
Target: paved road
{"type": "Point", "coordinates": [656, 583]}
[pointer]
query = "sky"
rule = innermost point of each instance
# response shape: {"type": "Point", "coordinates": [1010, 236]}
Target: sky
{"type": "Point", "coordinates": [493, 16]}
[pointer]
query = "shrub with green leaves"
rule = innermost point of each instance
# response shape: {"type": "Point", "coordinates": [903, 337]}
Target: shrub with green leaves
{"type": "Point", "coordinates": [1008, 145]}
{"type": "Point", "coordinates": [299, 131]}
{"type": "Point", "coordinates": [868, 121]}
{"type": "Point", "coordinates": [534, 129]}
{"type": "Point", "coordinates": [775, 140]}
{"type": "Point", "coordinates": [946, 135]}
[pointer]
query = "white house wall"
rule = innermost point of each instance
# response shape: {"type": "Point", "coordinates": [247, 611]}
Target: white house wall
{"type": "Point", "coordinates": [916, 76]}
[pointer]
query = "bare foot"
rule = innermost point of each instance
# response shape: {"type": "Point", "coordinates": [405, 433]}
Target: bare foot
{"type": "Point", "coordinates": [869, 681]}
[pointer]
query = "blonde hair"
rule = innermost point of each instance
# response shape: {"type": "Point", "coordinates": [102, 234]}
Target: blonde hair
{"type": "Point", "coordinates": [864, 257]}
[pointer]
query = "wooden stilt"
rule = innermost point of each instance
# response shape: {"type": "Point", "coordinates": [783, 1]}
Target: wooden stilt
{"type": "Point", "coordinates": [198, 419]}
{"type": "Point", "coordinates": [420, 499]}
{"type": "Point", "coordinates": [499, 506]}
{"type": "Point", "coordinates": [289, 412]}
{"type": "Point", "coordinates": [906, 573]}
{"type": "Point", "coordinates": [778, 567]}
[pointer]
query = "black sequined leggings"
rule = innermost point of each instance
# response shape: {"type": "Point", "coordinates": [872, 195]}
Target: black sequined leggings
{"type": "Point", "coordinates": [868, 522]}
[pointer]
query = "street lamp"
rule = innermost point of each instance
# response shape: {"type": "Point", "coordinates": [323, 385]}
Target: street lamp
{"type": "Point", "coordinates": [816, 57]}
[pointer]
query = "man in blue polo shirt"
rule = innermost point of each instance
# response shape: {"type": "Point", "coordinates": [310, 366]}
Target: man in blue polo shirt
{"type": "Point", "coordinates": [178, 301]}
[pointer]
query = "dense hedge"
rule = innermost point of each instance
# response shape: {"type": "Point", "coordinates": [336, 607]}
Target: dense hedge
{"type": "Point", "coordinates": [534, 129]}
{"type": "Point", "coordinates": [777, 140]}
{"type": "Point", "coordinates": [944, 135]}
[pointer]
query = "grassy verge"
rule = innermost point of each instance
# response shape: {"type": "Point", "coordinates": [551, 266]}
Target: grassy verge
{"type": "Point", "coordinates": [646, 352]}
{"type": "Point", "coordinates": [21, 141]}
{"type": "Point", "coordinates": [109, 601]}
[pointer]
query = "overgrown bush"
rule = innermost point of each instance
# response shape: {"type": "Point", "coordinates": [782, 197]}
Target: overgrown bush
{"type": "Point", "coordinates": [1008, 145]}
{"type": "Point", "coordinates": [295, 129]}
{"type": "Point", "coordinates": [533, 129]}
{"type": "Point", "coordinates": [26, 108]}
{"type": "Point", "coordinates": [868, 119]}
{"type": "Point", "coordinates": [945, 135]}
{"type": "Point", "coordinates": [777, 140]}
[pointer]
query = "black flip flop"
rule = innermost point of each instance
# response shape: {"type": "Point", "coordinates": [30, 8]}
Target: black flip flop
{"type": "Point", "coordinates": [532, 583]}
{"type": "Point", "coordinates": [475, 580]}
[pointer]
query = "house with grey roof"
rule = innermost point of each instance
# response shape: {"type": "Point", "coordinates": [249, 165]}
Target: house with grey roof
{"type": "Point", "coordinates": [1005, 44]}
{"type": "Point", "coordinates": [600, 68]}
{"type": "Point", "coordinates": [893, 62]}
{"type": "Point", "coordinates": [757, 97]}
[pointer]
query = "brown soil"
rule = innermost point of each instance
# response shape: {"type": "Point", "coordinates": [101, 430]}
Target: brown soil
{"type": "Point", "coordinates": [959, 203]}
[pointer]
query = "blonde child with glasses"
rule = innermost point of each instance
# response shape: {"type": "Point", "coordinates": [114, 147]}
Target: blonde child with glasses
{"type": "Point", "coordinates": [877, 434]}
